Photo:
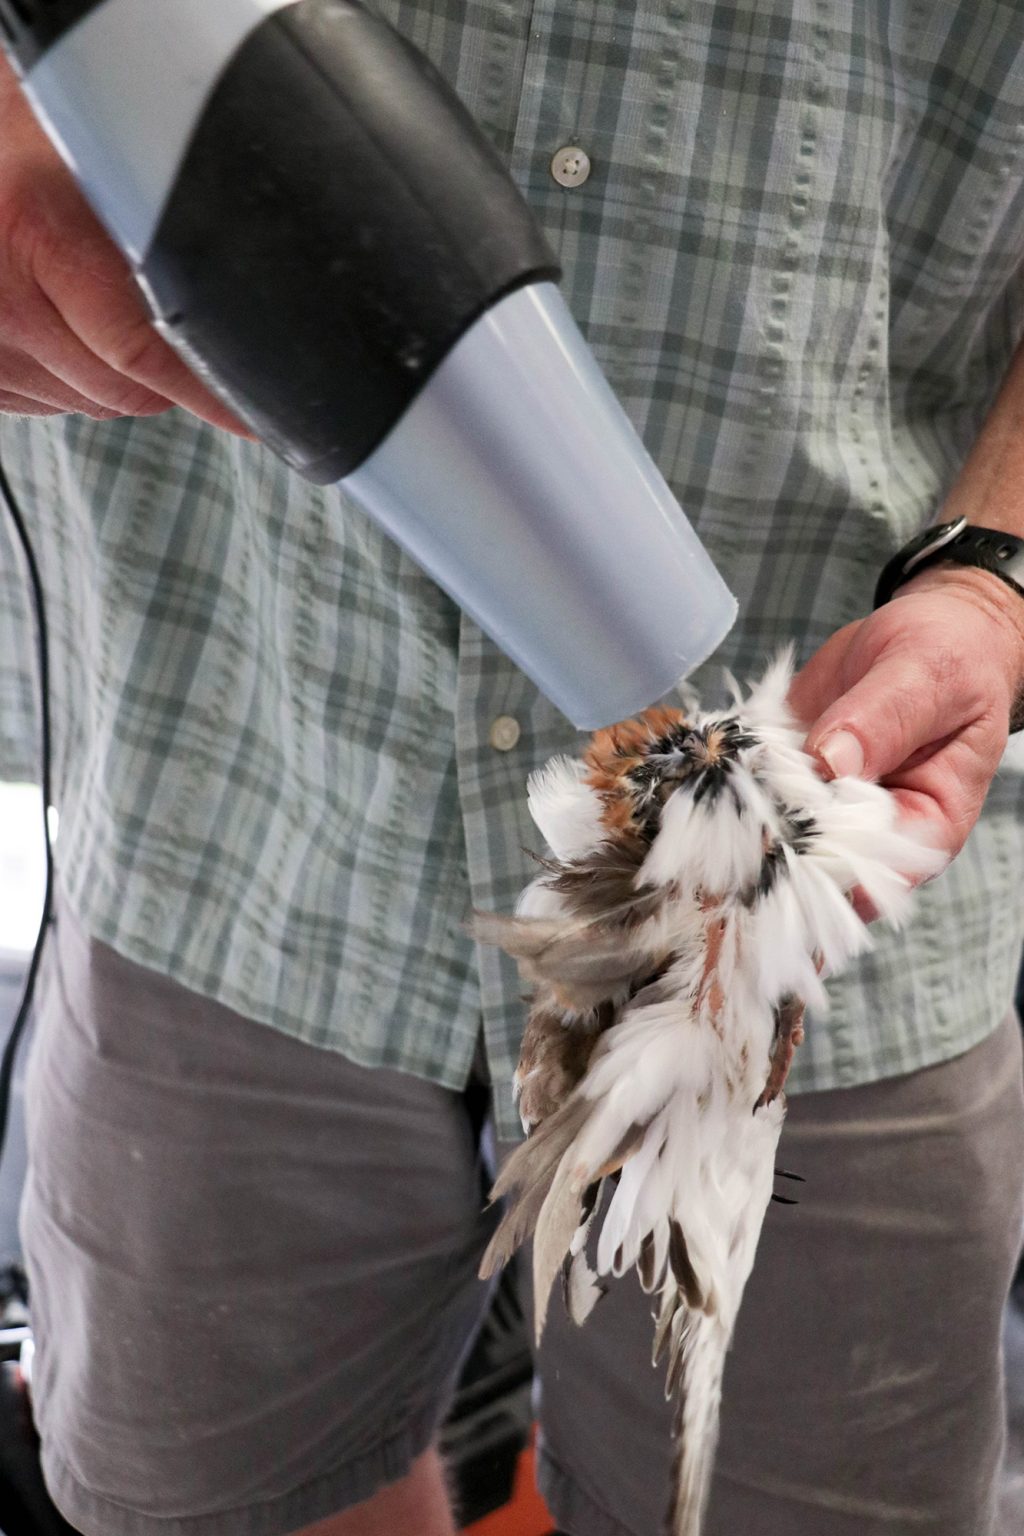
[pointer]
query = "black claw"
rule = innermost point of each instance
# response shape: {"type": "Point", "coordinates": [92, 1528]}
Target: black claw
{"type": "Point", "coordinates": [784, 1173]}
{"type": "Point", "coordinates": [784, 1200]}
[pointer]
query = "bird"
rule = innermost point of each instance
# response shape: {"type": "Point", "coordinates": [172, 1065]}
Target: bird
{"type": "Point", "coordinates": [692, 900]}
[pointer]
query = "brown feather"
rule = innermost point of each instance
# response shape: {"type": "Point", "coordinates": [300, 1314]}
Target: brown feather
{"type": "Point", "coordinates": [678, 1336]}
{"type": "Point", "coordinates": [556, 1227]}
{"type": "Point", "coordinates": [670, 1304]}
{"type": "Point", "coordinates": [682, 1269]}
{"type": "Point", "coordinates": [521, 937]}
{"type": "Point", "coordinates": [556, 1051]}
{"type": "Point", "coordinates": [581, 1288]}
{"type": "Point", "coordinates": [624, 1149]}
{"type": "Point", "coordinates": [604, 884]}
{"type": "Point", "coordinates": [645, 1264]}
{"type": "Point", "coordinates": [584, 962]}
{"type": "Point", "coordinates": [526, 1179]}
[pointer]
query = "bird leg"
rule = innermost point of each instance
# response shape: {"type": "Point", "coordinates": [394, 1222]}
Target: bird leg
{"type": "Point", "coordinates": [789, 1033]}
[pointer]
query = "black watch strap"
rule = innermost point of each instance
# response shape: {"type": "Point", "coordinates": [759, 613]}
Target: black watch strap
{"type": "Point", "coordinates": [957, 543]}
{"type": "Point", "coordinates": [960, 543]}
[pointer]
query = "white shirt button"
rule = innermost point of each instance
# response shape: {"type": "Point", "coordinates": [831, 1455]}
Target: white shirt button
{"type": "Point", "coordinates": [570, 166]}
{"type": "Point", "coordinates": [504, 734]}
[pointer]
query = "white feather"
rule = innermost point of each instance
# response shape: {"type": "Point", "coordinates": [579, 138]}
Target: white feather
{"type": "Point", "coordinates": [566, 810]}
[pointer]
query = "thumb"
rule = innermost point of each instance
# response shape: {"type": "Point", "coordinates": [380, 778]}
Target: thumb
{"type": "Point", "coordinates": [895, 710]}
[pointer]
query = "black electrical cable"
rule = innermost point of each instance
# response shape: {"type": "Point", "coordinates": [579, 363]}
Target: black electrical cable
{"type": "Point", "coordinates": [18, 1027]}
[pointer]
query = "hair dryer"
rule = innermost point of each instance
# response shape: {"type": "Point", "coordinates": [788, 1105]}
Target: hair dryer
{"type": "Point", "coordinates": [323, 233]}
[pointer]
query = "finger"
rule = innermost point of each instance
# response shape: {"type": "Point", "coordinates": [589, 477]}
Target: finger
{"type": "Point", "coordinates": [143, 355]}
{"type": "Point", "coordinates": [41, 334]}
{"type": "Point", "coordinates": [820, 679]}
{"type": "Point", "coordinates": [65, 255]}
{"type": "Point", "coordinates": [13, 404]}
{"type": "Point", "coordinates": [28, 379]}
{"type": "Point", "coordinates": [915, 806]}
{"type": "Point", "coordinates": [101, 305]}
{"type": "Point", "coordinates": [949, 787]}
{"type": "Point", "coordinates": [903, 703]}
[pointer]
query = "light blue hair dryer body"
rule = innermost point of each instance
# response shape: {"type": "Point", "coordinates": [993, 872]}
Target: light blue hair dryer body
{"type": "Point", "coordinates": [324, 234]}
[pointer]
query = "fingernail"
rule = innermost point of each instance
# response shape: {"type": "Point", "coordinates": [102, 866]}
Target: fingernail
{"type": "Point", "coordinates": [842, 755]}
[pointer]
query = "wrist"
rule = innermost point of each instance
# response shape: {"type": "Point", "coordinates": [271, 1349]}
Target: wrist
{"type": "Point", "coordinates": [1002, 604]}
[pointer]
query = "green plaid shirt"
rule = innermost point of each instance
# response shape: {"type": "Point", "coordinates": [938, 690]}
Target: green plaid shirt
{"type": "Point", "coordinates": [798, 258]}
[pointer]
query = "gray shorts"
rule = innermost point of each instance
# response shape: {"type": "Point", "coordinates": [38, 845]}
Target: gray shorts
{"type": "Point", "coordinates": [253, 1269]}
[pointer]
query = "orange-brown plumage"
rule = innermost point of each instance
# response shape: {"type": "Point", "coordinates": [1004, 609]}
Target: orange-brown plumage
{"type": "Point", "coordinates": [614, 752]}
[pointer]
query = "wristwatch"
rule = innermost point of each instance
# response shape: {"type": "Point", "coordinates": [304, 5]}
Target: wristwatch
{"type": "Point", "coordinates": [960, 543]}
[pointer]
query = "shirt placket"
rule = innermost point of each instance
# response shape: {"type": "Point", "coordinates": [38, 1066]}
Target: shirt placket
{"type": "Point", "coordinates": [504, 728]}
{"type": "Point", "coordinates": [579, 100]}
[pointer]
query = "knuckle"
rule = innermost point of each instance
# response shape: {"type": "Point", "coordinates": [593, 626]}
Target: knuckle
{"type": "Point", "coordinates": [24, 228]}
{"type": "Point", "coordinates": [136, 351]}
{"type": "Point", "coordinates": [901, 706]}
{"type": "Point", "coordinates": [964, 684]}
{"type": "Point", "coordinates": [18, 287]}
{"type": "Point", "coordinates": [946, 667]}
{"type": "Point", "coordinates": [929, 673]}
{"type": "Point", "coordinates": [103, 413]}
{"type": "Point", "coordinates": [132, 399]}
{"type": "Point", "coordinates": [33, 242]}
{"type": "Point", "coordinates": [20, 405]}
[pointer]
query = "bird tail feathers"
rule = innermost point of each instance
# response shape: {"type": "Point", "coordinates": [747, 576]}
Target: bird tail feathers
{"type": "Point", "coordinates": [695, 1428]}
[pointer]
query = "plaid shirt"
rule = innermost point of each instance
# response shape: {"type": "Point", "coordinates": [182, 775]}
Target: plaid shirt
{"type": "Point", "coordinates": [798, 258]}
